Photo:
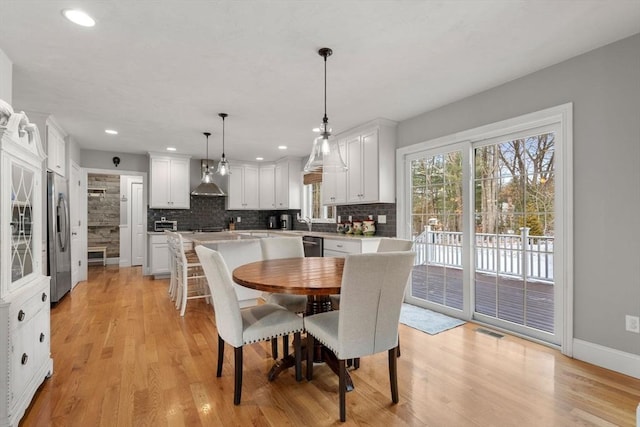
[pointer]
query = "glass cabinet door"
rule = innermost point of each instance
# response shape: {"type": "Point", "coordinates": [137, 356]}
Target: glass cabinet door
{"type": "Point", "coordinates": [22, 188]}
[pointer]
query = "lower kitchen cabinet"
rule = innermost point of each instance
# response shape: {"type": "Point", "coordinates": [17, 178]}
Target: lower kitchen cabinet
{"type": "Point", "coordinates": [343, 247]}
{"type": "Point", "coordinates": [158, 250]}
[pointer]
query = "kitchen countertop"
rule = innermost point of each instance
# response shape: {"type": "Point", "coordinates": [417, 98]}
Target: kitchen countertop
{"type": "Point", "coordinates": [221, 236]}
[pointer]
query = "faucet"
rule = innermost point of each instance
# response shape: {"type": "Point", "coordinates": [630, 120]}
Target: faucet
{"type": "Point", "coordinates": [306, 220]}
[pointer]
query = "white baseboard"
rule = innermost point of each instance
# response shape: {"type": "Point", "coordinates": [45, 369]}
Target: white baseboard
{"type": "Point", "coordinates": [605, 357]}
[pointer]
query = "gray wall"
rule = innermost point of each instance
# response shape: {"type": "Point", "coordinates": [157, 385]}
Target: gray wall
{"type": "Point", "coordinates": [604, 86]}
{"type": "Point", "coordinates": [95, 159]}
{"type": "Point", "coordinates": [6, 78]}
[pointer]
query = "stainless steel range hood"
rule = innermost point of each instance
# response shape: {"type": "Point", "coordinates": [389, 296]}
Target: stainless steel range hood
{"type": "Point", "coordinates": [207, 187]}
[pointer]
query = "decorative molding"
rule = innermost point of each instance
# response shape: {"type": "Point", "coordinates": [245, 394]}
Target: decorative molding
{"type": "Point", "coordinates": [605, 357]}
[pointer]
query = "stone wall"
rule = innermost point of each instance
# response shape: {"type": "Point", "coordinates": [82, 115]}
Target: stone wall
{"type": "Point", "coordinates": [103, 212]}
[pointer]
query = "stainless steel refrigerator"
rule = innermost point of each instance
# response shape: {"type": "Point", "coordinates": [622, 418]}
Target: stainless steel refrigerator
{"type": "Point", "coordinates": [58, 239]}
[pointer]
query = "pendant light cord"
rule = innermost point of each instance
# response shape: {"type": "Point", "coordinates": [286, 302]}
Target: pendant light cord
{"type": "Point", "coordinates": [325, 119]}
{"type": "Point", "coordinates": [207, 159]}
{"type": "Point", "coordinates": [223, 115]}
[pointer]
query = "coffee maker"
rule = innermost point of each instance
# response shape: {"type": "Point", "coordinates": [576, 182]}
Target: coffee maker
{"type": "Point", "coordinates": [285, 222]}
{"type": "Point", "coordinates": [272, 223]}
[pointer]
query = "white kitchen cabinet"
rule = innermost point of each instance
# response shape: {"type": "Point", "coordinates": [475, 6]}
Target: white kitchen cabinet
{"type": "Point", "coordinates": [243, 187]}
{"type": "Point", "coordinates": [25, 356]}
{"type": "Point", "coordinates": [169, 182]}
{"type": "Point", "coordinates": [370, 156]}
{"type": "Point", "coordinates": [343, 247]}
{"type": "Point", "coordinates": [288, 178]}
{"type": "Point", "coordinates": [267, 187]}
{"type": "Point", "coordinates": [56, 148]}
{"type": "Point", "coordinates": [334, 184]}
{"type": "Point", "coordinates": [159, 257]}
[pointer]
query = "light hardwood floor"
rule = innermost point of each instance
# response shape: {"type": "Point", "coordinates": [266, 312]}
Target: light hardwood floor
{"type": "Point", "coordinates": [124, 357]}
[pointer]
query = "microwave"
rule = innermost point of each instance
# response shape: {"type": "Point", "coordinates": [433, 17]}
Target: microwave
{"type": "Point", "coordinates": [165, 225]}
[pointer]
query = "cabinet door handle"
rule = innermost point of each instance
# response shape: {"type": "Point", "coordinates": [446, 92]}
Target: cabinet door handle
{"type": "Point", "coordinates": [21, 316]}
{"type": "Point", "coordinates": [44, 296]}
{"type": "Point", "coordinates": [41, 337]}
{"type": "Point", "coordinates": [24, 358]}
{"type": "Point", "coordinates": [339, 246]}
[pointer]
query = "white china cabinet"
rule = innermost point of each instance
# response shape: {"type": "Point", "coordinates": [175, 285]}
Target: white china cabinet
{"type": "Point", "coordinates": [25, 357]}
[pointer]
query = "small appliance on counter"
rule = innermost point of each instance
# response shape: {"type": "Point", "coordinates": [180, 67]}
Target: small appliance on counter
{"type": "Point", "coordinates": [272, 223]}
{"type": "Point", "coordinates": [163, 224]}
{"type": "Point", "coordinates": [285, 222]}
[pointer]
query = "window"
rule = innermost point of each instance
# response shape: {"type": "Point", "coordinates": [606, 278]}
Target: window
{"type": "Point", "coordinates": [312, 206]}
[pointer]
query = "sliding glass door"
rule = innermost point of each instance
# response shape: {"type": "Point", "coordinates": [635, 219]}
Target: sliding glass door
{"type": "Point", "coordinates": [514, 220]}
{"type": "Point", "coordinates": [487, 210]}
{"type": "Point", "coordinates": [436, 207]}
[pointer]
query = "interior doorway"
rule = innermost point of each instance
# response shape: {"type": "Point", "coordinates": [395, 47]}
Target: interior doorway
{"type": "Point", "coordinates": [126, 246]}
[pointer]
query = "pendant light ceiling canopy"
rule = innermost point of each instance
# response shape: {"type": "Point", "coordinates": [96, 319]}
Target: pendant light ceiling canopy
{"type": "Point", "coordinates": [223, 166]}
{"type": "Point", "coordinates": [325, 153]}
{"type": "Point", "coordinates": [207, 187]}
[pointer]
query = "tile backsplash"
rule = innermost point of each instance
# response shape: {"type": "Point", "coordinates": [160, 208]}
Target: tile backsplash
{"type": "Point", "coordinates": [210, 212]}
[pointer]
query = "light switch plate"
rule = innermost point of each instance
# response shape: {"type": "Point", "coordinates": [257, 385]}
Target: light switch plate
{"type": "Point", "coordinates": [382, 219]}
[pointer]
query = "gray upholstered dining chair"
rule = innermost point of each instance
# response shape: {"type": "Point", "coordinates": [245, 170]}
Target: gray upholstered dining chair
{"type": "Point", "coordinates": [276, 248]}
{"type": "Point", "coordinates": [238, 327]}
{"type": "Point", "coordinates": [386, 245]}
{"type": "Point", "coordinates": [372, 292]}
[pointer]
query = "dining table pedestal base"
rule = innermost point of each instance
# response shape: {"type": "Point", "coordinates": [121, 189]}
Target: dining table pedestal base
{"type": "Point", "coordinates": [315, 304]}
{"type": "Point", "coordinates": [326, 356]}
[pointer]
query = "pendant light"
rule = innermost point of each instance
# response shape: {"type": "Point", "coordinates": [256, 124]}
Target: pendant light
{"type": "Point", "coordinates": [325, 153]}
{"type": "Point", "coordinates": [207, 187]}
{"type": "Point", "coordinates": [223, 166]}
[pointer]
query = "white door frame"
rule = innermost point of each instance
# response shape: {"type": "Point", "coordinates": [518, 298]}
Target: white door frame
{"type": "Point", "coordinates": [78, 208]}
{"type": "Point", "coordinates": [561, 115]}
{"type": "Point", "coordinates": [86, 172]}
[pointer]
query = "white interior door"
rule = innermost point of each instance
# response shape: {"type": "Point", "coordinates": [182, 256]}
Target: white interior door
{"type": "Point", "coordinates": [138, 226]}
{"type": "Point", "coordinates": [75, 204]}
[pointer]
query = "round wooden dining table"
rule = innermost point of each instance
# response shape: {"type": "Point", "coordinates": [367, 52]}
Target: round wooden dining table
{"type": "Point", "coordinates": [316, 277]}
{"type": "Point", "coordinates": [301, 276]}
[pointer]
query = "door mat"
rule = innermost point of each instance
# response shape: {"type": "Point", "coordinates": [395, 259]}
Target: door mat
{"type": "Point", "coordinates": [427, 321]}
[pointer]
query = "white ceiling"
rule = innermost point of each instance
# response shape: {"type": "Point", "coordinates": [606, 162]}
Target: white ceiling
{"type": "Point", "coordinates": [160, 71]}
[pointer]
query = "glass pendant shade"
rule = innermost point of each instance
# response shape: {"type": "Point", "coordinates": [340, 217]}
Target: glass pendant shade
{"type": "Point", "coordinates": [325, 156]}
{"type": "Point", "coordinates": [325, 153]}
{"type": "Point", "coordinates": [223, 166]}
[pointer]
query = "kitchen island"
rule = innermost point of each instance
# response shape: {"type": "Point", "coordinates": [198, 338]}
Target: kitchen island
{"type": "Point", "coordinates": [240, 247]}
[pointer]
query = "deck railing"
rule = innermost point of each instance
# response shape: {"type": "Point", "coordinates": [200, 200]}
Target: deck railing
{"type": "Point", "coordinates": [520, 255]}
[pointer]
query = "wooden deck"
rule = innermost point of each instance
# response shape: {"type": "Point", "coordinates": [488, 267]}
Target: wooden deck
{"type": "Point", "coordinates": [529, 304]}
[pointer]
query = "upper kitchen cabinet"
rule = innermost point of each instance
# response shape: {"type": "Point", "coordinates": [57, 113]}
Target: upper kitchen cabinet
{"type": "Point", "coordinates": [169, 182]}
{"type": "Point", "coordinates": [334, 184]}
{"type": "Point", "coordinates": [267, 186]}
{"type": "Point", "coordinates": [371, 160]}
{"type": "Point", "coordinates": [243, 187]}
{"type": "Point", "coordinates": [56, 148]}
{"type": "Point", "coordinates": [288, 180]}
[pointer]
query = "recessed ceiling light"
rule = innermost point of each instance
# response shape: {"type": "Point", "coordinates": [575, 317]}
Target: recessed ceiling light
{"type": "Point", "coordinates": [282, 147]}
{"type": "Point", "coordinates": [171, 148]}
{"type": "Point", "coordinates": [259, 158]}
{"type": "Point", "coordinates": [79, 17]}
{"type": "Point", "coordinates": [111, 131]}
